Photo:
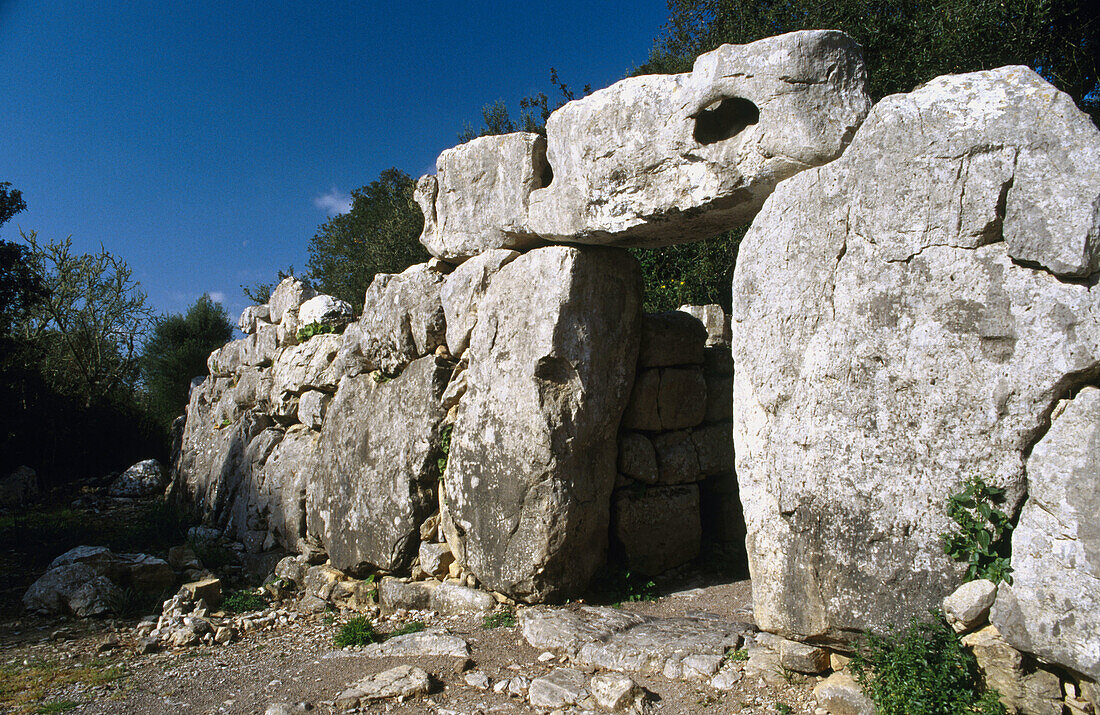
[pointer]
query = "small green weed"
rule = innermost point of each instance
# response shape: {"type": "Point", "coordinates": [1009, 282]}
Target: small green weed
{"type": "Point", "coordinates": [244, 601]}
{"type": "Point", "coordinates": [783, 709]}
{"type": "Point", "coordinates": [444, 447]}
{"type": "Point", "coordinates": [414, 627]}
{"type": "Point", "coordinates": [223, 424]}
{"type": "Point", "coordinates": [58, 706]}
{"type": "Point", "coordinates": [500, 619]}
{"type": "Point", "coordinates": [735, 655]}
{"type": "Point", "coordinates": [380, 377]}
{"type": "Point", "coordinates": [922, 670]}
{"type": "Point", "coordinates": [982, 532]}
{"type": "Point", "coordinates": [357, 631]}
{"type": "Point", "coordinates": [308, 331]}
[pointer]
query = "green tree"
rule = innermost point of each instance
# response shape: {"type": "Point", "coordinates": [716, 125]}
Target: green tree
{"type": "Point", "coordinates": [381, 234]}
{"type": "Point", "coordinates": [20, 287]}
{"type": "Point", "coordinates": [176, 353]}
{"type": "Point", "coordinates": [11, 202]}
{"type": "Point", "coordinates": [905, 43]}
{"type": "Point", "coordinates": [89, 326]}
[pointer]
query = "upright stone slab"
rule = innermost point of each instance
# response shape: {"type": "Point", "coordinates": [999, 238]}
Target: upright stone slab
{"type": "Point", "coordinates": [663, 159]}
{"type": "Point", "coordinates": [532, 456]}
{"type": "Point", "coordinates": [1052, 606]}
{"type": "Point", "coordinates": [897, 331]}
{"type": "Point", "coordinates": [377, 469]}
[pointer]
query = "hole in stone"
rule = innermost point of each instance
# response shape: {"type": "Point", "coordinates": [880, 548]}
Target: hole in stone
{"type": "Point", "coordinates": [546, 175]}
{"type": "Point", "coordinates": [727, 120]}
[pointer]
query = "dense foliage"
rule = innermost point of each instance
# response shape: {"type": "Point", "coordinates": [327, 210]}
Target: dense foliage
{"type": "Point", "coordinates": [177, 351]}
{"type": "Point", "coordinates": [905, 43]}
{"type": "Point", "coordinates": [381, 234]}
{"type": "Point", "coordinates": [922, 670]}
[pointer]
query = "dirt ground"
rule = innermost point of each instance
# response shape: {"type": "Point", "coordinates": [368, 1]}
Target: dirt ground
{"type": "Point", "coordinates": [61, 667]}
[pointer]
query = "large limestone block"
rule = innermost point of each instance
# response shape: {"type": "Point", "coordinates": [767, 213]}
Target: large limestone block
{"type": "Point", "coordinates": [376, 473]}
{"type": "Point", "coordinates": [288, 296]}
{"type": "Point", "coordinates": [533, 452]}
{"type": "Point", "coordinates": [478, 198]}
{"type": "Point", "coordinates": [306, 366]}
{"type": "Point", "coordinates": [402, 320]}
{"type": "Point", "coordinates": [663, 159]}
{"type": "Point", "coordinates": [462, 291]}
{"type": "Point", "coordinates": [889, 346]}
{"type": "Point", "coordinates": [1052, 607]}
{"type": "Point", "coordinates": [214, 456]}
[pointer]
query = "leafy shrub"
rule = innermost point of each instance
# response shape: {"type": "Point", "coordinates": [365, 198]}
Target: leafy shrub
{"type": "Point", "coordinates": [501, 619]}
{"type": "Point", "coordinates": [982, 532]}
{"type": "Point", "coordinates": [244, 601]}
{"type": "Point", "coordinates": [357, 631]}
{"type": "Point", "coordinates": [308, 331]}
{"type": "Point", "coordinates": [921, 670]}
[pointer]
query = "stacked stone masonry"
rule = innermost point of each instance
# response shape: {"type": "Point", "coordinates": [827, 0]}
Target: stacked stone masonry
{"type": "Point", "coordinates": [676, 443]}
{"type": "Point", "coordinates": [914, 304]}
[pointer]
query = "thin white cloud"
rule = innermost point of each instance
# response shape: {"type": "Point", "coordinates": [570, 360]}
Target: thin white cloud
{"type": "Point", "coordinates": [333, 202]}
{"type": "Point", "coordinates": [217, 296]}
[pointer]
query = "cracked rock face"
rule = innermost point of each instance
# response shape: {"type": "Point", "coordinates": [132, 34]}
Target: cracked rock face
{"type": "Point", "coordinates": [376, 472]}
{"type": "Point", "coordinates": [662, 159]}
{"type": "Point", "coordinates": [532, 457]}
{"type": "Point", "coordinates": [477, 200]}
{"type": "Point", "coordinates": [902, 321]}
{"type": "Point", "coordinates": [1052, 607]}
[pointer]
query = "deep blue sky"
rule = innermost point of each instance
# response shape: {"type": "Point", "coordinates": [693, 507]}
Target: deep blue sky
{"type": "Point", "coordinates": [204, 144]}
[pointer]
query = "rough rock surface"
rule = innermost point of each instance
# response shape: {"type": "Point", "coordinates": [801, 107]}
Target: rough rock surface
{"type": "Point", "coordinates": [402, 320]}
{"type": "Point", "coordinates": [969, 605]}
{"type": "Point", "coordinates": [688, 647]}
{"type": "Point", "coordinates": [658, 527]}
{"type": "Point", "coordinates": [1052, 607]}
{"type": "Point", "coordinates": [90, 581]}
{"type": "Point", "coordinates": [478, 198]}
{"type": "Point", "coordinates": [374, 482]}
{"type": "Point", "coordinates": [141, 480]}
{"type": "Point", "coordinates": [662, 159]}
{"type": "Point", "coordinates": [19, 488]}
{"type": "Point", "coordinates": [893, 338]}
{"type": "Point", "coordinates": [288, 296]}
{"type": "Point", "coordinates": [533, 452]}
{"type": "Point", "coordinates": [462, 292]}
{"type": "Point", "coordinates": [326, 310]}
{"type": "Point", "coordinates": [404, 681]}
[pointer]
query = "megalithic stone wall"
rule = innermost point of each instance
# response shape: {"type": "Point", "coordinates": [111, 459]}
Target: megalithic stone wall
{"type": "Point", "coordinates": [915, 308]}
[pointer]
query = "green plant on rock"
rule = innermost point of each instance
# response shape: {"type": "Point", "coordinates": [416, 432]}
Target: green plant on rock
{"type": "Point", "coordinates": [308, 331]}
{"type": "Point", "coordinates": [982, 532]}
{"type": "Point", "coordinates": [244, 601]}
{"type": "Point", "coordinates": [500, 619]}
{"type": "Point", "coordinates": [922, 670]}
{"type": "Point", "coordinates": [444, 447]}
{"type": "Point", "coordinates": [357, 631]}
{"type": "Point", "coordinates": [735, 655]}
